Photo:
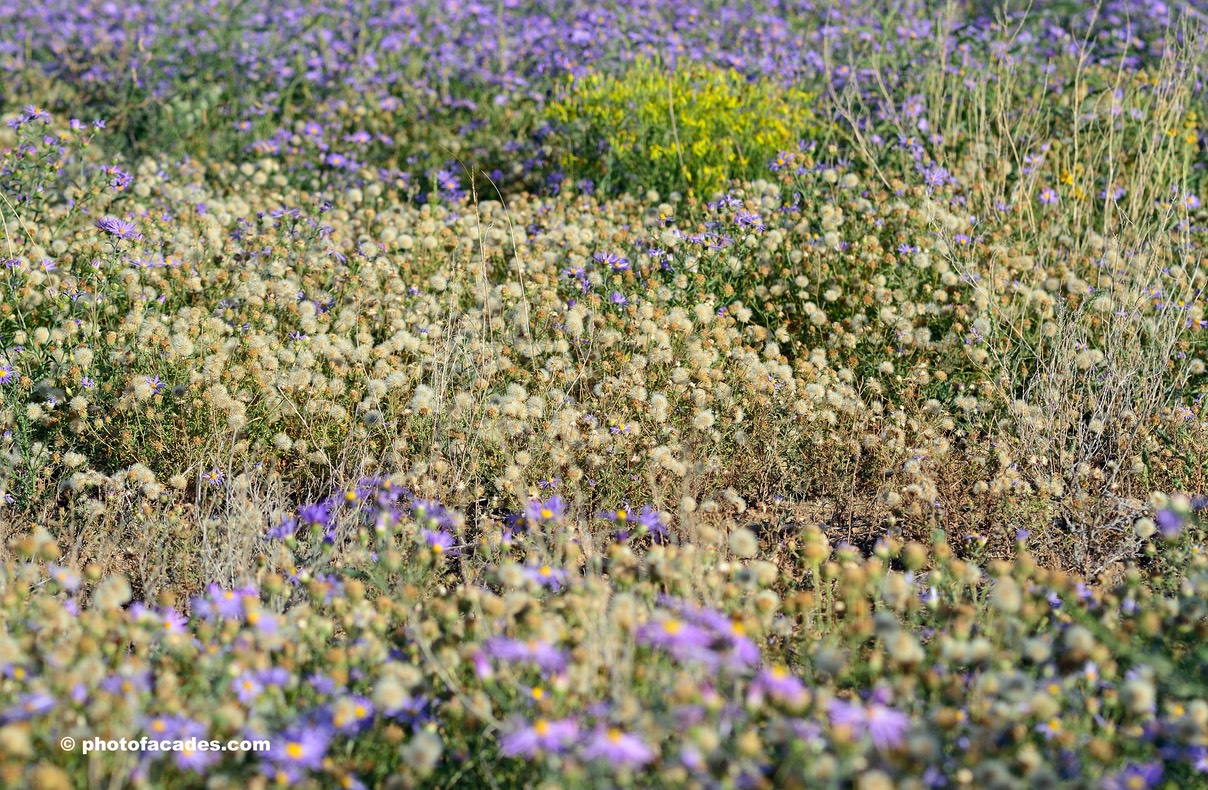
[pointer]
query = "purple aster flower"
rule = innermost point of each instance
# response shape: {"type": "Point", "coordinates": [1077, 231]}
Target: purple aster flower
{"type": "Point", "coordinates": [322, 684]}
{"type": "Point", "coordinates": [749, 219]}
{"type": "Point", "coordinates": [172, 621]}
{"type": "Point", "coordinates": [415, 711]}
{"type": "Point", "coordinates": [777, 683]}
{"type": "Point", "coordinates": [128, 683]}
{"type": "Point", "coordinates": [27, 707]}
{"type": "Point", "coordinates": [734, 647]}
{"type": "Point", "coordinates": [316, 513]}
{"type": "Point", "coordinates": [198, 758]}
{"type": "Point", "coordinates": [432, 510]}
{"type": "Point", "coordinates": [846, 714]}
{"type": "Point", "coordinates": [163, 728]}
{"type": "Point", "coordinates": [302, 748]}
{"type": "Point", "coordinates": [613, 261]}
{"type": "Point", "coordinates": [274, 676]}
{"type": "Point", "coordinates": [552, 509]}
{"type": "Point", "coordinates": [1135, 777]}
{"type": "Point", "coordinates": [653, 521]}
{"type": "Point", "coordinates": [350, 714]}
{"type": "Point", "coordinates": [218, 602]}
{"type": "Point", "coordinates": [542, 735]}
{"type": "Point", "coordinates": [247, 687]}
{"type": "Point", "coordinates": [620, 516]}
{"type": "Point", "coordinates": [1048, 196]}
{"type": "Point", "coordinates": [482, 665]}
{"type": "Point", "coordinates": [1169, 523]}
{"type": "Point", "coordinates": [35, 113]}
{"type": "Point", "coordinates": [8, 374]}
{"type": "Point", "coordinates": [64, 577]}
{"type": "Point", "coordinates": [884, 725]}
{"type": "Point", "coordinates": [684, 640]}
{"type": "Point", "coordinates": [553, 578]}
{"type": "Point", "coordinates": [439, 541]}
{"type": "Point", "coordinates": [1050, 728]}
{"type": "Point", "coordinates": [120, 228]}
{"type": "Point", "coordinates": [617, 747]}
{"type": "Point", "coordinates": [534, 651]}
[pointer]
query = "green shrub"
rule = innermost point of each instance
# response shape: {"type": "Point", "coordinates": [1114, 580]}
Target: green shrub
{"type": "Point", "coordinates": [693, 128]}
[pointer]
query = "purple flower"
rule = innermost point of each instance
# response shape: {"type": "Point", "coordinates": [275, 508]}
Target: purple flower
{"type": "Point", "coordinates": [127, 684]}
{"type": "Point", "coordinates": [617, 747]}
{"type": "Point", "coordinates": [1050, 729]}
{"type": "Point", "coordinates": [777, 683]}
{"type": "Point", "coordinates": [1048, 196]}
{"type": "Point", "coordinates": [303, 748]}
{"type": "Point", "coordinates": [553, 578]}
{"type": "Point", "coordinates": [350, 714]}
{"type": "Point", "coordinates": [27, 707]}
{"type": "Point", "coordinates": [316, 513]}
{"type": "Point", "coordinates": [552, 509]}
{"type": "Point", "coordinates": [438, 540]}
{"type": "Point", "coordinates": [684, 640]}
{"type": "Point", "coordinates": [200, 757]}
{"type": "Point", "coordinates": [64, 577]}
{"type": "Point", "coordinates": [542, 735]}
{"type": "Point", "coordinates": [8, 374]}
{"type": "Point", "coordinates": [163, 728]}
{"type": "Point", "coordinates": [749, 219]}
{"type": "Point", "coordinates": [172, 621]}
{"type": "Point", "coordinates": [652, 520]}
{"type": "Point", "coordinates": [122, 229]}
{"type": "Point", "coordinates": [613, 261]}
{"type": "Point", "coordinates": [286, 529]}
{"type": "Point", "coordinates": [1169, 523]}
{"type": "Point", "coordinates": [247, 687]}
{"type": "Point", "coordinates": [218, 602]}
{"type": "Point", "coordinates": [1135, 777]}
{"type": "Point", "coordinates": [884, 725]}
{"type": "Point", "coordinates": [534, 651]}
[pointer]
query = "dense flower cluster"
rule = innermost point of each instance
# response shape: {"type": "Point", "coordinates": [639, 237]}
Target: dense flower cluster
{"type": "Point", "coordinates": [390, 661]}
{"type": "Point", "coordinates": [657, 394]}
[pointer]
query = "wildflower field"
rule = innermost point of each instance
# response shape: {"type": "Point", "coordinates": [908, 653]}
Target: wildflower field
{"type": "Point", "coordinates": [643, 393]}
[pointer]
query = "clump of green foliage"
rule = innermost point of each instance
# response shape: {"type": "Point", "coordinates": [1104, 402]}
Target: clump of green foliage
{"type": "Point", "coordinates": [690, 128]}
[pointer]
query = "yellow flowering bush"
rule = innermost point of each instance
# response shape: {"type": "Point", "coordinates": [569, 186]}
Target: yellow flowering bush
{"type": "Point", "coordinates": [690, 128]}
